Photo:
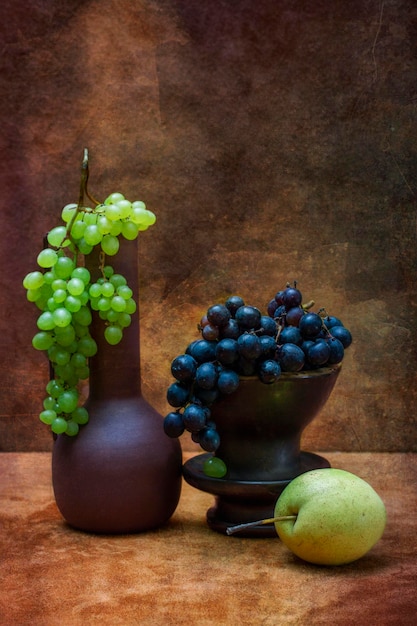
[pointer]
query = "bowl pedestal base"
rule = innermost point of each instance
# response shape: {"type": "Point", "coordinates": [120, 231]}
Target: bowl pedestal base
{"type": "Point", "coordinates": [242, 501]}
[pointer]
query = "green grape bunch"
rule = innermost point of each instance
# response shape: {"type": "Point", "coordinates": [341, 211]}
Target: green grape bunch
{"type": "Point", "coordinates": [65, 294]}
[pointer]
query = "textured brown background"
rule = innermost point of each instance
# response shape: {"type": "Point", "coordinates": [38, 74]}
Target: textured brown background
{"type": "Point", "coordinates": [275, 140]}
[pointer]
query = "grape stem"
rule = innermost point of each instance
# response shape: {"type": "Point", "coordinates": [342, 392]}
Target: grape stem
{"type": "Point", "coordinates": [308, 305]}
{"type": "Point", "coordinates": [85, 172]}
{"type": "Point", "coordinates": [102, 262]}
{"type": "Point", "coordinates": [231, 530]}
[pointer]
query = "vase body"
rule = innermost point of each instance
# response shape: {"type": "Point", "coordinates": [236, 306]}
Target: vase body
{"type": "Point", "coordinates": [121, 473]}
{"type": "Point", "coordinates": [260, 428]}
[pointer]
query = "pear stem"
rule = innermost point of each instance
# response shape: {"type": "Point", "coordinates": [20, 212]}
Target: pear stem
{"type": "Point", "coordinates": [269, 520]}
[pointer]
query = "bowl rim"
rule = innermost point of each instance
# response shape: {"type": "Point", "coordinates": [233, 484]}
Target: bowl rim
{"type": "Point", "coordinates": [320, 371]}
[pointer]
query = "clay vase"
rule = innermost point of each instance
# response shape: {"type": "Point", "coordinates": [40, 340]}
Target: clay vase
{"type": "Point", "coordinates": [260, 428]}
{"type": "Point", "coordinates": [121, 473]}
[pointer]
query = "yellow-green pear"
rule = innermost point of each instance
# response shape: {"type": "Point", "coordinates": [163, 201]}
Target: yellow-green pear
{"type": "Point", "coordinates": [335, 517]}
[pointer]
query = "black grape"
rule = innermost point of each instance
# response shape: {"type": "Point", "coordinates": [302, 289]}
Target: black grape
{"type": "Point", "coordinates": [183, 367]}
{"type": "Point", "coordinates": [343, 334]}
{"type": "Point", "coordinates": [248, 317]}
{"type": "Point", "coordinates": [194, 417]}
{"type": "Point", "coordinates": [233, 303]}
{"type": "Point", "coordinates": [174, 425]}
{"type": "Point", "coordinates": [291, 357]}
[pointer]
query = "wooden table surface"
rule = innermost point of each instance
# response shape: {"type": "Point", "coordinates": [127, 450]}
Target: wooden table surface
{"type": "Point", "coordinates": [187, 574]}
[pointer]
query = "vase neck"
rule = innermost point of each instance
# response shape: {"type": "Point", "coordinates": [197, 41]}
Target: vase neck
{"type": "Point", "coordinates": [115, 370]}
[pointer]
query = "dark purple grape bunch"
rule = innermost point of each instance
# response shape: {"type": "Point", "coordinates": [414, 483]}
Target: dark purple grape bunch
{"type": "Point", "coordinates": [306, 340]}
{"type": "Point", "coordinates": [237, 340]}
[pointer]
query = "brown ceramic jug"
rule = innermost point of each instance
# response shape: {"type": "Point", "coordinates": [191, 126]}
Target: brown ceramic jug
{"type": "Point", "coordinates": [121, 473]}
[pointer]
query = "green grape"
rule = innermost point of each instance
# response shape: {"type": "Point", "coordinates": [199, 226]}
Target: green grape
{"type": "Point", "coordinates": [94, 304]}
{"type": "Point", "coordinates": [75, 286]}
{"type": "Point", "coordinates": [125, 292]}
{"type": "Point", "coordinates": [114, 197]}
{"type": "Point", "coordinates": [59, 295]}
{"type": "Point", "coordinates": [116, 228]}
{"type": "Point", "coordinates": [107, 289]}
{"type": "Point", "coordinates": [63, 267]}
{"type": "Point", "coordinates": [80, 415]}
{"type": "Point", "coordinates": [84, 297]}
{"type": "Point", "coordinates": [82, 372]}
{"type": "Point", "coordinates": [47, 416]}
{"type": "Point", "coordinates": [95, 290]}
{"type": "Point", "coordinates": [117, 280]}
{"type": "Point", "coordinates": [82, 273]}
{"type": "Point", "coordinates": [58, 283]}
{"type": "Point", "coordinates": [112, 316]}
{"type": "Point", "coordinates": [62, 317]}
{"type": "Point", "coordinates": [87, 346]}
{"type": "Point", "coordinates": [65, 336]}
{"type": "Point", "coordinates": [47, 258]}
{"type": "Point", "coordinates": [214, 467]}
{"type": "Point", "coordinates": [52, 352]}
{"type": "Point", "coordinates": [83, 316]}
{"type": "Point", "coordinates": [73, 304]}
{"type": "Point", "coordinates": [51, 304]}
{"type": "Point", "coordinates": [151, 218]}
{"type": "Point", "coordinates": [108, 271]}
{"type": "Point", "coordinates": [104, 224]}
{"type": "Point", "coordinates": [80, 331]}
{"type": "Point", "coordinates": [112, 212]}
{"type": "Point", "coordinates": [130, 306]}
{"type": "Point", "coordinates": [44, 295]}
{"type": "Point", "coordinates": [73, 347]}
{"type": "Point", "coordinates": [78, 360]}
{"type": "Point", "coordinates": [72, 428]}
{"type": "Point", "coordinates": [113, 334]}
{"type": "Point", "coordinates": [142, 216]}
{"type": "Point", "coordinates": [68, 212]}
{"type": "Point", "coordinates": [104, 304]}
{"type": "Point", "coordinates": [66, 373]}
{"type": "Point", "coordinates": [78, 229]}
{"type": "Point", "coordinates": [42, 341]}
{"type": "Point", "coordinates": [45, 321]}
{"type": "Point", "coordinates": [84, 247]}
{"type": "Point", "coordinates": [49, 277]}
{"type": "Point", "coordinates": [90, 218]}
{"type": "Point", "coordinates": [33, 280]}
{"type": "Point", "coordinates": [124, 320]}
{"type": "Point", "coordinates": [125, 208]}
{"type": "Point", "coordinates": [49, 403]}
{"type": "Point", "coordinates": [110, 245]}
{"type": "Point", "coordinates": [130, 230]}
{"type": "Point", "coordinates": [118, 304]}
{"type": "Point", "coordinates": [138, 204]}
{"type": "Point", "coordinates": [62, 357]}
{"type": "Point", "coordinates": [59, 425]}
{"type": "Point", "coordinates": [41, 303]}
{"type": "Point", "coordinates": [68, 401]}
{"type": "Point", "coordinates": [33, 295]}
{"type": "Point", "coordinates": [54, 388]}
{"type": "Point", "coordinates": [56, 237]}
{"type": "Point", "coordinates": [92, 235]}
{"type": "Point", "coordinates": [138, 215]}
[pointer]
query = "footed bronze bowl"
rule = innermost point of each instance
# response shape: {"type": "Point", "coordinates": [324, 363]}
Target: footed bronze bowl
{"type": "Point", "coordinates": [260, 428]}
